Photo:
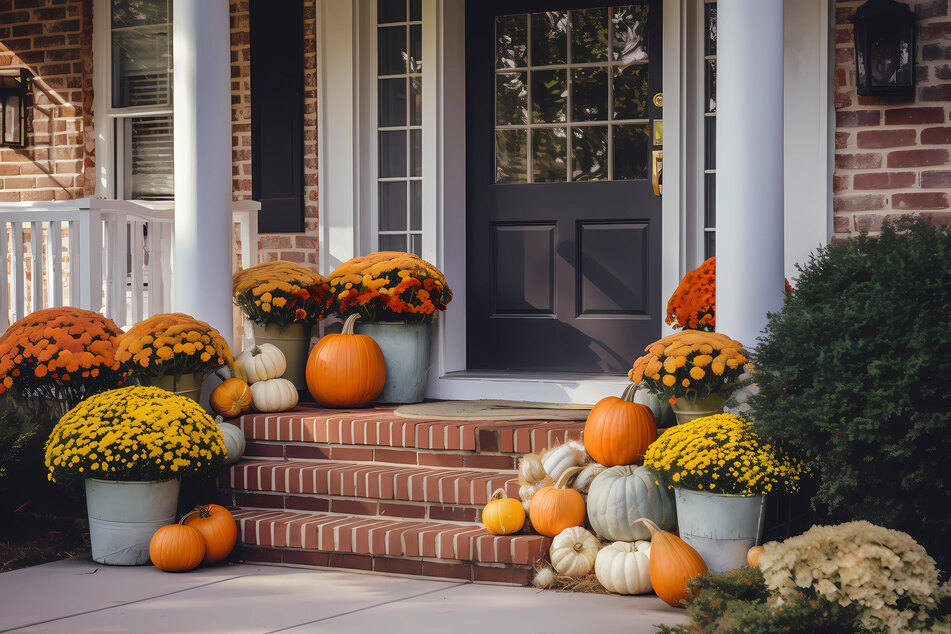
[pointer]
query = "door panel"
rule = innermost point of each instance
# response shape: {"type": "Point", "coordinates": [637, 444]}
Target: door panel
{"type": "Point", "coordinates": [563, 226]}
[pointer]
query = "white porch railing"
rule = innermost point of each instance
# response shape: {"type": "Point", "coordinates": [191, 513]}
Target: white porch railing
{"type": "Point", "coordinates": [110, 256]}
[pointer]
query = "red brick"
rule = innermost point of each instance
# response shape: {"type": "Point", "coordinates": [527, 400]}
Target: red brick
{"type": "Point", "coordinates": [481, 461]}
{"type": "Point", "coordinates": [935, 51]}
{"type": "Point", "coordinates": [447, 570]}
{"type": "Point", "coordinates": [841, 224]}
{"type": "Point", "coordinates": [306, 558]}
{"type": "Point", "coordinates": [920, 200]}
{"type": "Point", "coordinates": [841, 140]}
{"type": "Point", "coordinates": [917, 158]}
{"type": "Point", "coordinates": [353, 507]}
{"type": "Point", "coordinates": [935, 31]}
{"type": "Point", "coordinates": [398, 566]}
{"type": "Point", "coordinates": [396, 456]}
{"type": "Point", "coordinates": [259, 500]}
{"type": "Point", "coordinates": [840, 183]}
{"type": "Point", "coordinates": [454, 513]}
{"type": "Point", "coordinates": [885, 138]}
{"type": "Point", "coordinates": [858, 161]}
{"type": "Point", "coordinates": [503, 574]}
{"type": "Point", "coordinates": [914, 116]}
{"type": "Point", "coordinates": [857, 118]}
{"type": "Point", "coordinates": [865, 202]}
{"type": "Point", "coordinates": [306, 503]}
{"type": "Point", "coordinates": [391, 509]}
{"type": "Point", "coordinates": [869, 222]}
{"type": "Point", "coordinates": [488, 440]}
{"type": "Point", "coordinates": [933, 9]}
{"type": "Point", "coordinates": [884, 180]}
{"type": "Point", "coordinates": [942, 72]}
{"type": "Point", "coordinates": [844, 56]}
{"type": "Point", "coordinates": [941, 92]}
{"type": "Point", "coordinates": [936, 179]}
{"type": "Point", "coordinates": [263, 555]}
{"type": "Point", "coordinates": [938, 219]}
{"type": "Point", "coordinates": [351, 453]}
{"type": "Point", "coordinates": [441, 460]}
{"type": "Point", "coordinates": [307, 452]}
{"type": "Point", "coordinates": [936, 136]}
{"type": "Point", "coordinates": [353, 562]}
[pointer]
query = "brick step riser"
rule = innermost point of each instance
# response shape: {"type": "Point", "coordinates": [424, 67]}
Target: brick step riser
{"type": "Point", "coordinates": [507, 574]}
{"type": "Point", "coordinates": [278, 450]}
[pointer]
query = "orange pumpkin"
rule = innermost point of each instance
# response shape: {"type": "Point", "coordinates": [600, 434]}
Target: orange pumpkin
{"type": "Point", "coordinates": [217, 528]}
{"type": "Point", "coordinates": [176, 548]}
{"type": "Point", "coordinates": [555, 508]}
{"type": "Point", "coordinates": [752, 556]}
{"type": "Point", "coordinates": [231, 398]}
{"type": "Point", "coordinates": [503, 515]}
{"type": "Point", "coordinates": [618, 431]}
{"type": "Point", "coordinates": [672, 563]}
{"type": "Point", "coordinates": [345, 370]}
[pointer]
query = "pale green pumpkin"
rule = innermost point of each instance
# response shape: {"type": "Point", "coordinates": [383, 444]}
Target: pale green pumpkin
{"type": "Point", "coordinates": [620, 495]}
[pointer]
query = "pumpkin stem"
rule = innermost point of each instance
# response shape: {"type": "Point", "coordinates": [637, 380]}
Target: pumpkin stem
{"type": "Point", "coordinates": [348, 324]}
{"type": "Point", "coordinates": [651, 526]}
{"type": "Point", "coordinates": [629, 392]}
{"type": "Point", "coordinates": [498, 494]}
{"type": "Point", "coordinates": [256, 350]}
{"type": "Point", "coordinates": [191, 512]}
{"type": "Point", "coordinates": [563, 480]}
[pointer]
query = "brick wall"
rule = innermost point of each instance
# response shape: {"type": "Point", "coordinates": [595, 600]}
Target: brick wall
{"type": "Point", "coordinates": [893, 157]}
{"type": "Point", "coordinates": [53, 38]}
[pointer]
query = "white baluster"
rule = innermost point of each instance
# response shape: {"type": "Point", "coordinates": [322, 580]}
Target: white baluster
{"type": "Point", "coordinates": [4, 282]}
{"type": "Point", "coordinates": [90, 264]}
{"type": "Point", "coordinates": [36, 265]}
{"type": "Point", "coordinates": [74, 257]}
{"type": "Point", "coordinates": [18, 283]}
{"type": "Point", "coordinates": [138, 265]}
{"type": "Point", "coordinates": [54, 264]}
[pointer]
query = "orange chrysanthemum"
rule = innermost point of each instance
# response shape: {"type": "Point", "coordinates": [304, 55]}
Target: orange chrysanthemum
{"type": "Point", "coordinates": [280, 293]}
{"type": "Point", "coordinates": [172, 343]}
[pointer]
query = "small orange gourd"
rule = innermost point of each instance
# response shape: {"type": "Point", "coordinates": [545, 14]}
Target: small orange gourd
{"type": "Point", "coordinates": [176, 548]}
{"type": "Point", "coordinates": [231, 398]}
{"type": "Point", "coordinates": [618, 431]}
{"type": "Point", "coordinates": [672, 563]}
{"type": "Point", "coordinates": [503, 515]}
{"type": "Point", "coordinates": [345, 370]}
{"type": "Point", "coordinates": [217, 527]}
{"type": "Point", "coordinates": [752, 556]}
{"type": "Point", "coordinates": [555, 508]}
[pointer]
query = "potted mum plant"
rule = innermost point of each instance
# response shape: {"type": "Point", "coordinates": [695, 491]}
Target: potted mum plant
{"type": "Point", "coordinates": [283, 300]}
{"type": "Point", "coordinates": [132, 445]}
{"type": "Point", "coordinates": [721, 472]}
{"type": "Point", "coordinates": [173, 351]}
{"type": "Point", "coordinates": [694, 371]}
{"type": "Point", "coordinates": [396, 297]}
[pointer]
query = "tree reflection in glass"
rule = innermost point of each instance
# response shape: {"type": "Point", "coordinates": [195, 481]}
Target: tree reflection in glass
{"type": "Point", "coordinates": [589, 36]}
{"type": "Point", "coordinates": [630, 33]}
{"type": "Point", "coordinates": [549, 155]}
{"type": "Point", "coordinates": [510, 156]}
{"type": "Point", "coordinates": [589, 153]}
{"type": "Point", "coordinates": [511, 41]}
{"type": "Point", "coordinates": [549, 38]}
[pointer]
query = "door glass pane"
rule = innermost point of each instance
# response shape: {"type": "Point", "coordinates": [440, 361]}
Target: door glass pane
{"type": "Point", "coordinates": [511, 41]}
{"type": "Point", "coordinates": [416, 48]}
{"type": "Point", "coordinates": [549, 155]}
{"type": "Point", "coordinates": [631, 151]}
{"type": "Point", "coordinates": [549, 96]}
{"type": "Point", "coordinates": [510, 156]}
{"type": "Point", "coordinates": [589, 94]}
{"type": "Point", "coordinates": [549, 38]}
{"type": "Point", "coordinates": [630, 92]}
{"type": "Point", "coordinates": [392, 153]}
{"type": "Point", "coordinates": [393, 243]}
{"type": "Point", "coordinates": [416, 245]}
{"type": "Point", "coordinates": [589, 36]}
{"type": "Point", "coordinates": [589, 153]}
{"type": "Point", "coordinates": [148, 158]}
{"type": "Point", "coordinates": [390, 11]}
{"type": "Point", "coordinates": [630, 33]}
{"type": "Point", "coordinates": [392, 102]}
{"type": "Point", "coordinates": [511, 99]}
{"type": "Point", "coordinates": [416, 205]}
{"type": "Point", "coordinates": [140, 13]}
{"type": "Point", "coordinates": [392, 50]}
{"type": "Point", "coordinates": [141, 53]}
{"type": "Point", "coordinates": [393, 206]}
{"type": "Point", "coordinates": [416, 101]}
{"type": "Point", "coordinates": [710, 42]}
{"type": "Point", "coordinates": [416, 152]}
{"type": "Point", "coordinates": [415, 10]}
{"type": "Point", "coordinates": [711, 85]}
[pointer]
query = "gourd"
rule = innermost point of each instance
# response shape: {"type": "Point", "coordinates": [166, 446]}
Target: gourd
{"type": "Point", "coordinates": [531, 471]}
{"type": "Point", "coordinates": [555, 508]}
{"type": "Point", "coordinates": [752, 556]}
{"type": "Point", "coordinates": [557, 459]}
{"type": "Point", "coordinates": [273, 395]}
{"type": "Point", "coordinates": [618, 431]}
{"type": "Point", "coordinates": [620, 495]}
{"type": "Point", "coordinates": [231, 398]}
{"type": "Point", "coordinates": [624, 567]}
{"type": "Point", "coordinates": [176, 548]}
{"type": "Point", "coordinates": [234, 441]}
{"type": "Point", "coordinates": [583, 482]}
{"type": "Point", "coordinates": [262, 362]}
{"type": "Point", "coordinates": [672, 563]}
{"type": "Point", "coordinates": [345, 370]}
{"type": "Point", "coordinates": [217, 528]}
{"type": "Point", "coordinates": [638, 393]}
{"type": "Point", "coordinates": [503, 515]}
{"type": "Point", "coordinates": [573, 551]}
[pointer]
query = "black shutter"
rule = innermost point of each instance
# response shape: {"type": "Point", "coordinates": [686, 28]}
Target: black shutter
{"type": "Point", "coordinates": [277, 114]}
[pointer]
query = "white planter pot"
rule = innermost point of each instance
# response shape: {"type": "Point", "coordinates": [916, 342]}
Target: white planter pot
{"type": "Point", "coordinates": [123, 516]}
{"type": "Point", "coordinates": [722, 528]}
{"type": "Point", "coordinates": [405, 349]}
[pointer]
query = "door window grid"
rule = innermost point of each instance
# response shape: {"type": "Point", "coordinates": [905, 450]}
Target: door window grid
{"type": "Point", "coordinates": [399, 125]}
{"type": "Point", "coordinates": [523, 134]}
{"type": "Point", "coordinates": [710, 129]}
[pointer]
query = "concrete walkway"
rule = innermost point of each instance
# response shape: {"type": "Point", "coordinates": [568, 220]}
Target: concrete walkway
{"type": "Point", "coordinates": [77, 595]}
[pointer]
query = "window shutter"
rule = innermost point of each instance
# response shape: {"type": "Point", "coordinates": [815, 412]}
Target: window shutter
{"type": "Point", "coordinates": [277, 114]}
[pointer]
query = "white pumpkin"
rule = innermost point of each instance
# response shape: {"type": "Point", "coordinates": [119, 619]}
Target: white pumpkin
{"type": "Point", "coordinates": [584, 479]}
{"type": "Point", "coordinates": [234, 441]}
{"type": "Point", "coordinates": [624, 567]}
{"type": "Point", "coordinates": [620, 495]}
{"type": "Point", "coordinates": [557, 459]}
{"type": "Point", "coordinates": [530, 470]}
{"type": "Point", "coordinates": [263, 362]}
{"type": "Point", "coordinates": [663, 414]}
{"type": "Point", "coordinates": [273, 395]}
{"type": "Point", "coordinates": [573, 551]}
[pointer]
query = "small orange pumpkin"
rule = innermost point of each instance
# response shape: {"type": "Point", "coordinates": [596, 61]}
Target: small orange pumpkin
{"type": "Point", "coordinates": [345, 370]}
{"type": "Point", "coordinates": [176, 548]}
{"type": "Point", "coordinates": [231, 398]}
{"type": "Point", "coordinates": [503, 515]}
{"type": "Point", "coordinates": [752, 556]}
{"type": "Point", "coordinates": [217, 527]}
{"type": "Point", "coordinates": [555, 508]}
{"type": "Point", "coordinates": [672, 563]}
{"type": "Point", "coordinates": [618, 431]}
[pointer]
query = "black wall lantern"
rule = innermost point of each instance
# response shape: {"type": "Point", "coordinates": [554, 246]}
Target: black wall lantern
{"type": "Point", "coordinates": [885, 49]}
{"type": "Point", "coordinates": [14, 95]}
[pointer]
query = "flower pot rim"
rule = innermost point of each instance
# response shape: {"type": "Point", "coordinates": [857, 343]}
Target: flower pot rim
{"type": "Point", "coordinates": [394, 323]}
{"type": "Point", "coordinates": [726, 495]}
{"type": "Point", "coordinates": [131, 481]}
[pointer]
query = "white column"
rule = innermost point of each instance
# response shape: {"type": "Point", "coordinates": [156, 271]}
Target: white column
{"type": "Point", "coordinates": [203, 242]}
{"type": "Point", "coordinates": [749, 165]}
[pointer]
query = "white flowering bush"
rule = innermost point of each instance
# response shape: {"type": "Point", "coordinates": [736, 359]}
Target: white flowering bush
{"type": "Point", "coordinates": [885, 573]}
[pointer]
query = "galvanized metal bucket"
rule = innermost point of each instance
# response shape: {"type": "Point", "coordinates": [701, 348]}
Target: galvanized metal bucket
{"type": "Point", "coordinates": [123, 516]}
{"type": "Point", "coordinates": [722, 528]}
{"type": "Point", "coordinates": [406, 348]}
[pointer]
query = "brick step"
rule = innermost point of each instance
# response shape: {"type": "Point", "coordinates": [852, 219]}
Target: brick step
{"type": "Point", "coordinates": [379, 430]}
{"type": "Point", "coordinates": [368, 488]}
{"type": "Point", "coordinates": [427, 548]}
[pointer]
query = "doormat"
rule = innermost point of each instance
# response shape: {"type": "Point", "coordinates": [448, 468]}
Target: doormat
{"type": "Point", "coordinates": [493, 410]}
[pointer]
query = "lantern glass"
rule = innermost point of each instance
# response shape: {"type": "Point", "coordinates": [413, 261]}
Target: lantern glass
{"type": "Point", "coordinates": [890, 60]}
{"type": "Point", "coordinates": [12, 122]}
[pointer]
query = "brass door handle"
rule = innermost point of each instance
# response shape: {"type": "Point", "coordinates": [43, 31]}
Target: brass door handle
{"type": "Point", "coordinates": [657, 171]}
